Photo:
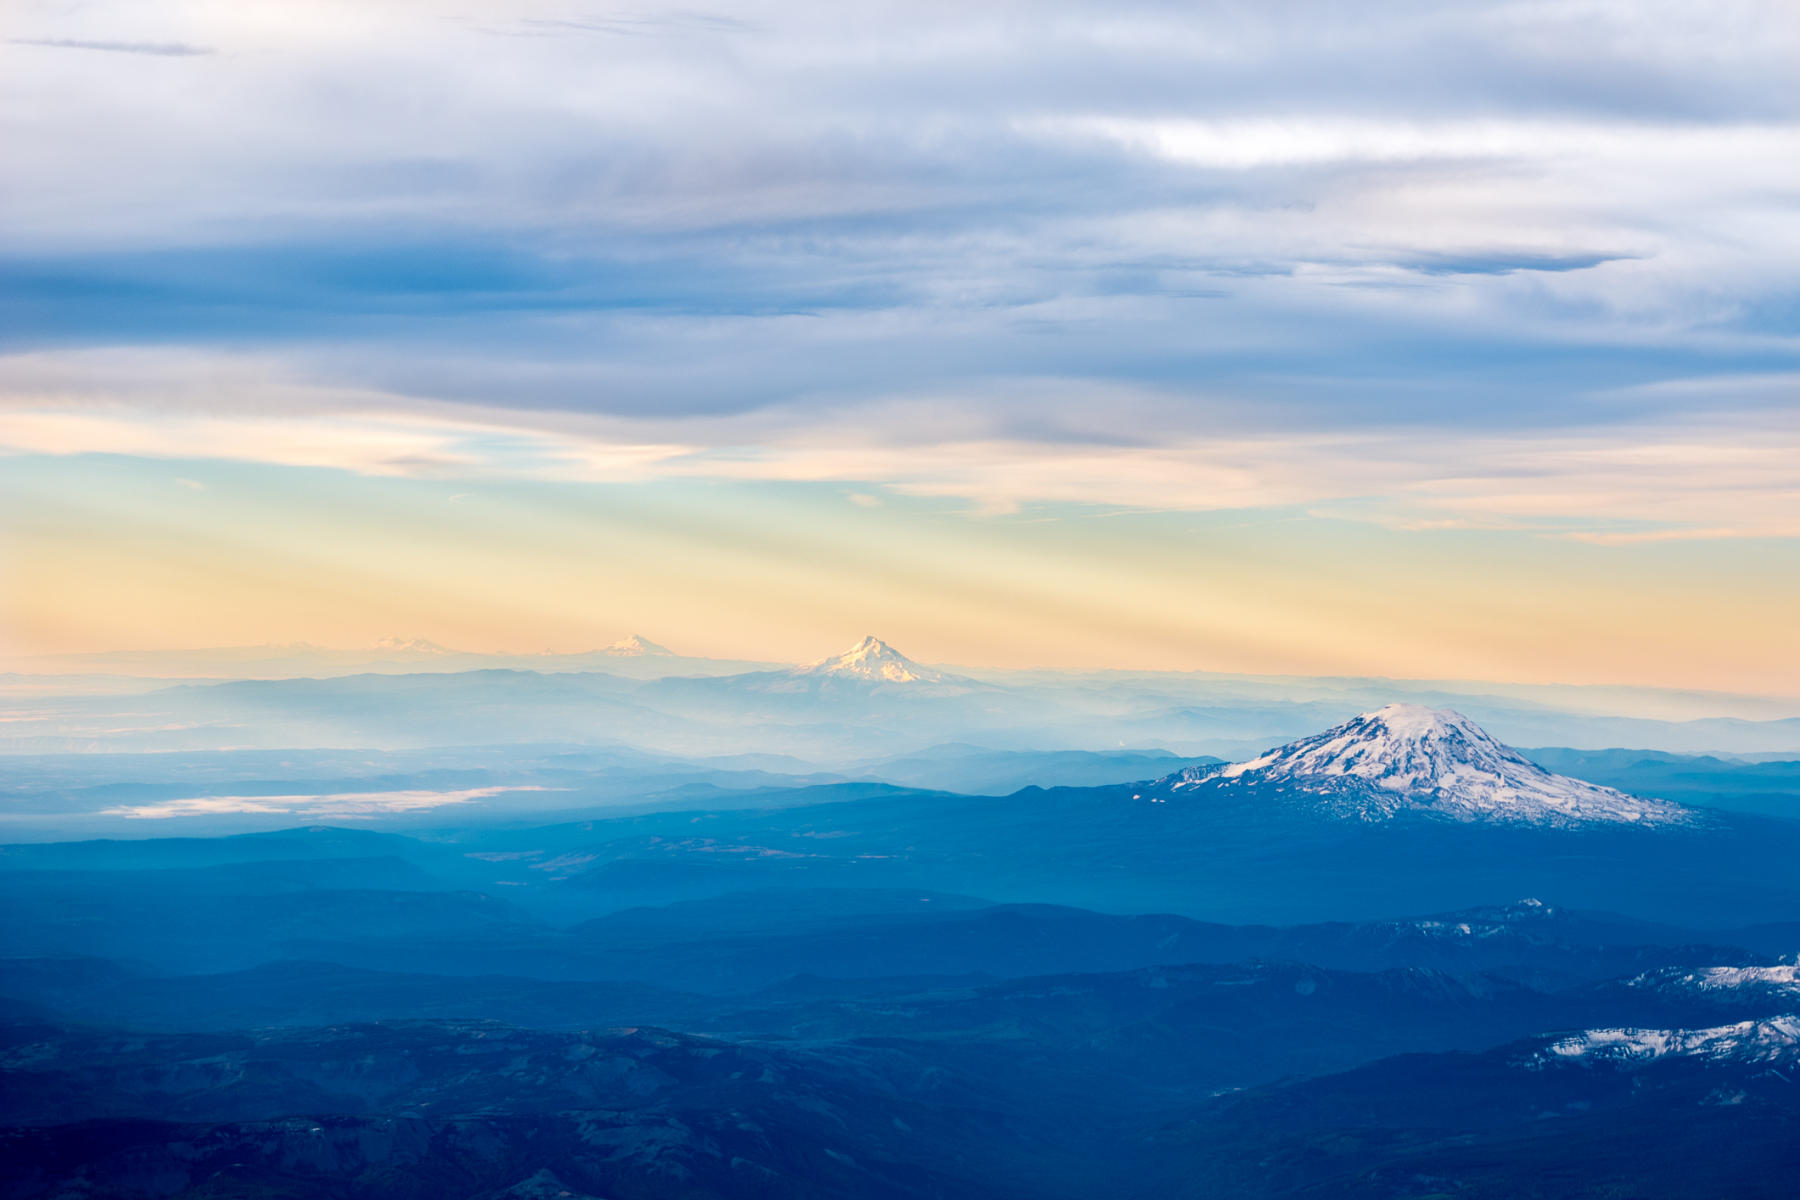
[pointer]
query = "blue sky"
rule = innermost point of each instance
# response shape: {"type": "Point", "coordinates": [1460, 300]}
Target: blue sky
{"type": "Point", "coordinates": [1527, 270]}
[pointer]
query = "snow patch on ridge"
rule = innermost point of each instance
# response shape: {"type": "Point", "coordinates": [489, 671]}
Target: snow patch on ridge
{"type": "Point", "coordinates": [1716, 978]}
{"type": "Point", "coordinates": [1781, 977]}
{"type": "Point", "coordinates": [1772, 1040]}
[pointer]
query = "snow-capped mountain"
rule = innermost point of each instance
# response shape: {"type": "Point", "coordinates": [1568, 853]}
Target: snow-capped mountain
{"type": "Point", "coordinates": [875, 661]}
{"type": "Point", "coordinates": [1406, 757]}
{"type": "Point", "coordinates": [635, 646]}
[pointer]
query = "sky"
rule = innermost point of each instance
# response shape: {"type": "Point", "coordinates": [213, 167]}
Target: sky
{"type": "Point", "coordinates": [1413, 339]}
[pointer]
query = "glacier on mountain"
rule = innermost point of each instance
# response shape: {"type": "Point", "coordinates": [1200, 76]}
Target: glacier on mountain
{"type": "Point", "coordinates": [874, 660]}
{"type": "Point", "coordinates": [1406, 757]}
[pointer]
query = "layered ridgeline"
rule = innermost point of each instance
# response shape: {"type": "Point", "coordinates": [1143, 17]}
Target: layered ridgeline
{"type": "Point", "coordinates": [867, 703]}
{"type": "Point", "coordinates": [316, 1012]}
{"type": "Point", "coordinates": [1406, 758]}
{"type": "Point", "coordinates": [1399, 811]}
{"type": "Point", "coordinates": [1403, 809]}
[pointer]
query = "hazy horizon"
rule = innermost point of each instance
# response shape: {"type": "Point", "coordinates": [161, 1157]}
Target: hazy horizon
{"type": "Point", "coordinates": [398, 652]}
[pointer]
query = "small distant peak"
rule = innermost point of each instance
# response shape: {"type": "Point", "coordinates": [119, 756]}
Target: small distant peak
{"type": "Point", "coordinates": [400, 645]}
{"type": "Point", "coordinates": [635, 646]}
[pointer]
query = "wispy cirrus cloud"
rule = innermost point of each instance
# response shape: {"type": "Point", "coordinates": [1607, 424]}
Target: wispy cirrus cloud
{"type": "Point", "coordinates": [155, 49]}
{"type": "Point", "coordinates": [632, 24]}
{"type": "Point", "coordinates": [1663, 474]}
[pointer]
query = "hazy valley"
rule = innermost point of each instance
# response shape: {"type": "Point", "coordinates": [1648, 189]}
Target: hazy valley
{"type": "Point", "coordinates": [956, 953]}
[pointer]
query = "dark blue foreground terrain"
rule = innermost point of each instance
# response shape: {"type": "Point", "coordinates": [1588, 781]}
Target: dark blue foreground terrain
{"type": "Point", "coordinates": [1274, 982]}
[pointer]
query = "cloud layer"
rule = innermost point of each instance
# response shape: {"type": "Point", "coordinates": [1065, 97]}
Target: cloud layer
{"type": "Point", "coordinates": [1476, 217]}
{"type": "Point", "coordinates": [1510, 265]}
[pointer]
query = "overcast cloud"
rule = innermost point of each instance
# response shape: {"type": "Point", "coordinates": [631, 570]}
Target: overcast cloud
{"type": "Point", "coordinates": [1482, 262]}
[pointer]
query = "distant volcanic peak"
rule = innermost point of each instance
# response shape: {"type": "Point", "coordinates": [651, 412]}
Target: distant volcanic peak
{"type": "Point", "coordinates": [875, 660]}
{"type": "Point", "coordinates": [635, 646]}
{"type": "Point", "coordinates": [1409, 757]}
{"type": "Point", "coordinates": [399, 645]}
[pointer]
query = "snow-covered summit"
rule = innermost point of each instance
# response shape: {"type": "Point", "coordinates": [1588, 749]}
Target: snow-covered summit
{"type": "Point", "coordinates": [874, 660]}
{"type": "Point", "coordinates": [635, 646]}
{"type": "Point", "coordinates": [1406, 757]}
